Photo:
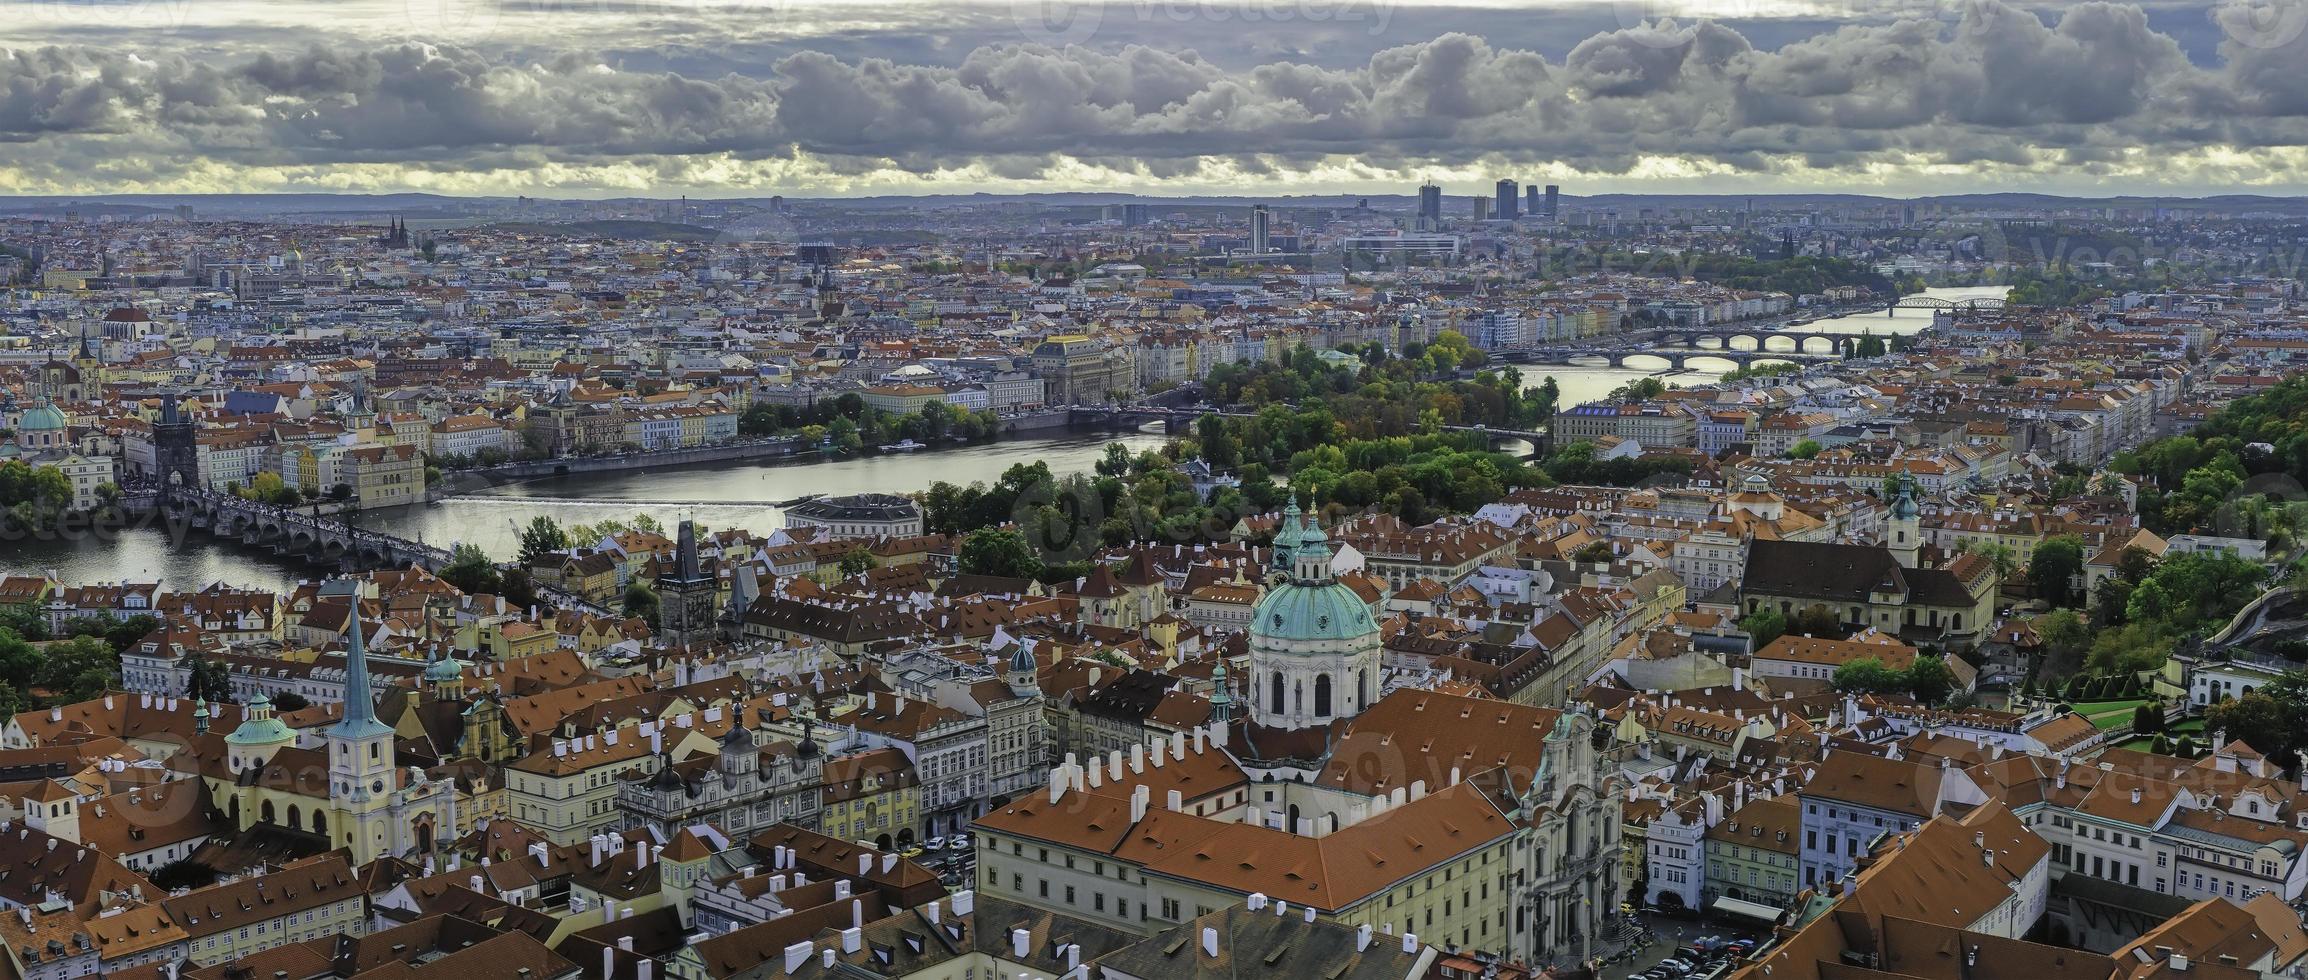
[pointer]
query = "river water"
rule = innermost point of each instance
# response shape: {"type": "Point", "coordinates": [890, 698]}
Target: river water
{"type": "Point", "coordinates": [718, 495]}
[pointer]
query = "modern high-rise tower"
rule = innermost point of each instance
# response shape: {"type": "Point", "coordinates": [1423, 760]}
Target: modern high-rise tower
{"type": "Point", "coordinates": [1429, 208]}
{"type": "Point", "coordinates": [1261, 229]}
{"type": "Point", "coordinates": [1507, 203]}
{"type": "Point", "coordinates": [1554, 202]}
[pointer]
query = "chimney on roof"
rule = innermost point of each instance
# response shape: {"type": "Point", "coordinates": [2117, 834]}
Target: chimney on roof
{"type": "Point", "coordinates": [1209, 942]}
{"type": "Point", "coordinates": [1362, 937]}
{"type": "Point", "coordinates": [796, 955]}
{"type": "Point", "coordinates": [965, 901]}
{"type": "Point", "coordinates": [1410, 942]}
{"type": "Point", "coordinates": [1021, 944]}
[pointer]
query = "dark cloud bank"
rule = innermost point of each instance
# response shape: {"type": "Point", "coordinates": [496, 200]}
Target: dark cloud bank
{"type": "Point", "coordinates": [1995, 84]}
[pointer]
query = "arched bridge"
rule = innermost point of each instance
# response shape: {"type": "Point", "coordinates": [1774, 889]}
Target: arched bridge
{"type": "Point", "coordinates": [1919, 301]}
{"type": "Point", "coordinates": [1763, 341]}
{"type": "Point", "coordinates": [296, 533]}
{"type": "Point", "coordinates": [1678, 359]}
{"type": "Point", "coordinates": [303, 535]}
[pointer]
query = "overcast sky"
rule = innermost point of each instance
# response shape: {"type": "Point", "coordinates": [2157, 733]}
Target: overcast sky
{"type": "Point", "coordinates": [590, 98]}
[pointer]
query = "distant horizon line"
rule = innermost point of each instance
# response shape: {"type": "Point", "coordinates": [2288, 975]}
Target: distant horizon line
{"type": "Point", "coordinates": [1410, 197]}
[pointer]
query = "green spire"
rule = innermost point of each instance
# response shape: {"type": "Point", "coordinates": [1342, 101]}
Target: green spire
{"type": "Point", "coordinates": [360, 719]}
{"type": "Point", "coordinates": [1287, 534]}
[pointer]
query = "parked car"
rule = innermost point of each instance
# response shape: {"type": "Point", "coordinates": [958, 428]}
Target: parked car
{"type": "Point", "coordinates": [934, 844]}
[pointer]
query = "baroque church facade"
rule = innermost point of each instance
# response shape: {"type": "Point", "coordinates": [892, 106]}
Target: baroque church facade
{"type": "Point", "coordinates": [350, 793]}
{"type": "Point", "coordinates": [1326, 746]}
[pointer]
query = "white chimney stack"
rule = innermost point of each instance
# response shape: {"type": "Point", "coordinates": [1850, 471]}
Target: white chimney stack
{"type": "Point", "coordinates": [1210, 942]}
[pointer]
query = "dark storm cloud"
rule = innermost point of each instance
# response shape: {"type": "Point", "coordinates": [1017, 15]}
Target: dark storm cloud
{"type": "Point", "coordinates": [1998, 84]}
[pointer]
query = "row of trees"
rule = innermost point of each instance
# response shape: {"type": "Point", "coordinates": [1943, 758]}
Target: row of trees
{"type": "Point", "coordinates": [269, 488]}
{"type": "Point", "coordinates": [2139, 614]}
{"type": "Point", "coordinates": [1927, 679]}
{"type": "Point", "coordinates": [32, 498]}
{"type": "Point", "coordinates": [2239, 474]}
{"type": "Point", "coordinates": [39, 671]}
{"type": "Point", "coordinates": [1376, 395]}
{"type": "Point", "coordinates": [2273, 718]}
{"type": "Point", "coordinates": [851, 425]}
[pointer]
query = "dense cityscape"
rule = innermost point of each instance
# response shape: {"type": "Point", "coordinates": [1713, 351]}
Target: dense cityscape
{"type": "Point", "coordinates": [1493, 585]}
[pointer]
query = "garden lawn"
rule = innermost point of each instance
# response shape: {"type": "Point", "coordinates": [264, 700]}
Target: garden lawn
{"type": "Point", "coordinates": [2105, 715]}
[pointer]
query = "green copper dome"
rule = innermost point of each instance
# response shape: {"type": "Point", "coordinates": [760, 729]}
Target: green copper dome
{"type": "Point", "coordinates": [1311, 611]}
{"type": "Point", "coordinates": [43, 417]}
{"type": "Point", "coordinates": [1904, 508]}
{"type": "Point", "coordinates": [444, 671]}
{"type": "Point", "coordinates": [261, 728]}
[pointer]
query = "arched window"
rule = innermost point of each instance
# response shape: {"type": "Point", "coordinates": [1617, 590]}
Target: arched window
{"type": "Point", "coordinates": [320, 823]}
{"type": "Point", "coordinates": [1363, 695]}
{"type": "Point", "coordinates": [295, 818]}
{"type": "Point", "coordinates": [265, 813]}
{"type": "Point", "coordinates": [1322, 695]}
{"type": "Point", "coordinates": [1274, 696]}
